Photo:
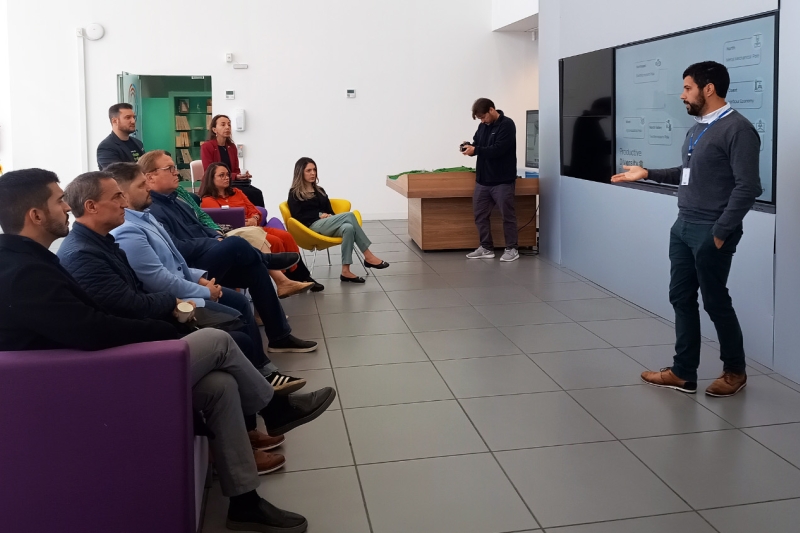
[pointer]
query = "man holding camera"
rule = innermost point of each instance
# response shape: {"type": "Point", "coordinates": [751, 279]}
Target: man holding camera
{"type": "Point", "coordinates": [495, 144]}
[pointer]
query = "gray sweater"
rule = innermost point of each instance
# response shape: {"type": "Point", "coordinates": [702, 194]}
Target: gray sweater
{"type": "Point", "coordinates": [724, 181]}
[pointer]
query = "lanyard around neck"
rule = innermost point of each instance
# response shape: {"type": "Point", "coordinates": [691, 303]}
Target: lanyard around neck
{"type": "Point", "coordinates": [693, 144]}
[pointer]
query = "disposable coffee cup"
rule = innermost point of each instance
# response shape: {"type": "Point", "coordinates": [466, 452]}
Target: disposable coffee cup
{"type": "Point", "coordinates": [184, 312]}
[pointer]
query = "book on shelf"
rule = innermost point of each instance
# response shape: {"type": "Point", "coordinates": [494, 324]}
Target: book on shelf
{"type": "Point", "coordinates": [181, 123]}
{"type": "Point", "coordinates": [183, 106]}
{"type": "Point", "coordinates": [186, 156]}
{"type": "Point", "coordinates": [186, 174]}
{"type": "Point", "coordinates": [182, 140]}
{"type": "Point", "coordinates": [208, 122]}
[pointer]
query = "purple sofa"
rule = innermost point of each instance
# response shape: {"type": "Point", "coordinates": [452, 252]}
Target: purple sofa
{"type": "Point", "coordinates": [99, 441]}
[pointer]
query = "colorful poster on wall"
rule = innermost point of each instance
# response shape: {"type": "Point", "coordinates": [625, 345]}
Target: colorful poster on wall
{"type": "Point", "coordinates": [130, 92]}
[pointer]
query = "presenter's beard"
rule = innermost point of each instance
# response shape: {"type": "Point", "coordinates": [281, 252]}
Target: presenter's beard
{"type": "Point", "coordinates": [694, 108]}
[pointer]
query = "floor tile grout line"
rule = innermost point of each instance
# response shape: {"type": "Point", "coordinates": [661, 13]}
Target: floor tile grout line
{"type": "Point", "coordinates": [741, 430]}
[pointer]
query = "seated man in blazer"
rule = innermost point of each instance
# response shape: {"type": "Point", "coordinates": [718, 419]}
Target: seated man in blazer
{"type": "Point", "coordinates": [119, 146]}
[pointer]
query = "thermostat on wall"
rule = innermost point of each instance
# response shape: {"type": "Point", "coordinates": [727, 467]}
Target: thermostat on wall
{"type": "Point", "coordinates": [230, 95]}
{"type": "Point", "coordinates": [351, 93]}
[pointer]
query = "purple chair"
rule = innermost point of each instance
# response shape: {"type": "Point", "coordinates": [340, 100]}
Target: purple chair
{"type": "Point", "coordinates": [270, 222]}
{"type": "Point", "coordinates": [98, 441]}
{"type": "Point", "coordinates": [233, 217]}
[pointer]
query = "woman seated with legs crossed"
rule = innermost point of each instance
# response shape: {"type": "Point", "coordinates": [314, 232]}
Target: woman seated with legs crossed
{"type": "Point", "coordinates": [216, 191]}
{"type": "Point", "coordinates": [309, 205]}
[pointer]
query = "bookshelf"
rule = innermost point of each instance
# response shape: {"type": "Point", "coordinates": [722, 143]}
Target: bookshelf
{"type": "Point", "coordinates": [192, 118]}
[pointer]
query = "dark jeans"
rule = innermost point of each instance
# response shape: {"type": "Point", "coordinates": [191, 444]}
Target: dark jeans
{"type": "Point", "coordinates": [234, 263]}
{"type": "Point", "coordinates": [253, 194]}
{"type": "Point", "coordinates": [239, 302]}
{"type": "Point", "coordinates": [697, 263]}
{"type": "Point", "coordinates": [483, 201]}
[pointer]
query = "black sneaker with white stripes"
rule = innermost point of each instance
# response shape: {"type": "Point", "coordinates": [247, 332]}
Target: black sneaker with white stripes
{"type": "Point", "coordinates": [283, 384]}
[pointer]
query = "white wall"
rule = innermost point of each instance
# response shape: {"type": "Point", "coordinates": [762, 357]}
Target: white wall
{"type": "Point", "coordinates": [505, 12]}
{"type": "Point", "coordinates": [5, 88]}
{"type": "Point", "coordinates": [417, 67]}
{"type": "Point", "coordinates": [618, 237]}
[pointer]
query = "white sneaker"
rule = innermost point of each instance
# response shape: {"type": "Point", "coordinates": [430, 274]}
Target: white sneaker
{"type": "Point", "coordinates": [511, 254]}
{"type": "Point", "coordinates": [481, 253]}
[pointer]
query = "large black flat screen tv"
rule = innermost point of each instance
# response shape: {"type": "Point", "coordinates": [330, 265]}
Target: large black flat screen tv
{"type": "Point", "coordinates": [587, 116]}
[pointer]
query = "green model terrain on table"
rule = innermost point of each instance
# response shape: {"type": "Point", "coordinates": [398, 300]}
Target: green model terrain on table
{"type": "Point", "coordinates": [437, 171]}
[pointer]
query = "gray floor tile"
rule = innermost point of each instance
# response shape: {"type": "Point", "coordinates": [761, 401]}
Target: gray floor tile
{"type": "Point", "coordinates": [717, 469]}
{"type": "Point", "coordinates": [394, 257]}
{"type": "Point", "coordinates": [763, 402]}
{"type": "Point", "coordinates": [410, 283]}
{"type": "Point", "coordinates": [365, 386]}
{"type": "Point", "coordinates": [320, 444]}
{"type": "Point", "coordinates": [316, 379]}
{"type": "Point", "coordinates": [304, 327]}
{"type": "Point", "coordinates": [380, 247]}
{"type": "Point", "coordinates": [407, 268]}
{"type": "Point", "coordinates": [411, 431]}
{"type": "Point", "coordinates": [646, 411]}
{"type": "Point", "coordinates": [758, 366]}
{"type": "Point", "coordinates": [553, 338]}
{"type": "Point", "coordinates": [476, 279]}
{"type": "Point", "coordinates": [461, 264]}
{"type": "Point", "coordinates": [532, 420]}
{"type": "Point", "coordinates": [328, 275]}
{"type": "Point", "coordinates": [372, 323]}
{"type": "Point", "coordinates": [505, 294]}
{"type": "Point", "coordinates": [565, 485]}
{"type": "Point", "coordinates": [577, 290]}
{"type": "Point", "coordinates": [633, 332]}
{"type": "Point", "coordinates": [375, 350]}
{"type": "Point", "coordinates": [782, 439]}
{"type": "Point", "coordinates": [539, 276]}
{"type": "Point", "coordinates": [598, 309]}
{"type": "Point", "coordinates": [493, 376]}
{"type": "Point", "coordinates": [374, 230]}
{"type": "Point", "coordinates": [465, 343]}
{"type": "Point", "coordinates": [463, 494]}
{"type": "Point", "coordinates": [683, 522]}
{"type": "Point", "coordinates": [334, 286]}
{"type": "Point", "coordinates": [391, 237]}
{"type": "Point", "coordinates": [772, 517]}
{"type": "Point", "coordinates": [786, 381]}
{"type": "Point", "coordinates": [301, 304]}
{"type": "Point", "coordinates": [289, 362]}
{"type": "Point", "coordinates": [357, 302]}
{"type": "Point", "coordinates": [660, 356]}
{"type": "Point", "coordinates": [330, 499]}
{"type": "Point", "coordinates": [583, 369]}
{"type": "Point", "coordinates": [442, 319]}
{"type": "Point", "coordinates": [426, 298]}
{"type": "Point", "coordinates": [443, 255]}
{"type": "Point", "coordinates": [520, 314]}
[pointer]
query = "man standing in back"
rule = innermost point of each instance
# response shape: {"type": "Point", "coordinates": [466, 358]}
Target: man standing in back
{"type": "Point", "coordinates": [718, 184]}
{"type": "Point", "coordinates": [119, 146]}
{"type": "Point", "coordinates": [495, 144]}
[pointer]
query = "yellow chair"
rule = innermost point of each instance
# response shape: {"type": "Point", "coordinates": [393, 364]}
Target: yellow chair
{"type": "Point", "coordinates": [311, 240]}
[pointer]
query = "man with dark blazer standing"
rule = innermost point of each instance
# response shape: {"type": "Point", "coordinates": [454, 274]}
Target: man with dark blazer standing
{"type": "Point", "coordinates": [119, 146]}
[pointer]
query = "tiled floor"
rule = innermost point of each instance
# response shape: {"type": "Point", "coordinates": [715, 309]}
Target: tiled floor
{"type": "Point", "coordinates": [480, 397]}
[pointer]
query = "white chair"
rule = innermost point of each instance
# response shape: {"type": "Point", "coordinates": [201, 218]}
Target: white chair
{"type": "Point", "coordinates": [196, 167]}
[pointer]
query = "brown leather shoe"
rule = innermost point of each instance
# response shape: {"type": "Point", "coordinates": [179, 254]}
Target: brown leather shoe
{"type": "Point", "coordinates": [727, 384]}
{"type": "Point", "coordinates": [268, 462]}
{"type": "Point", "coordinates": [263, 442]}
{"type": "Point", "coordinates": [665, 378]}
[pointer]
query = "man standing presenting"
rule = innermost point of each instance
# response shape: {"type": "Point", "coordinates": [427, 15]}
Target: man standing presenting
{"type": "Point", "coordinates": [119, 146]}
{"type": "Point", "coordinates": [718, 184]}
{"type": "Point", "coordinates": [495, 144]}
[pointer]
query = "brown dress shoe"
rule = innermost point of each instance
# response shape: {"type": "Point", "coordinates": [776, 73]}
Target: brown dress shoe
{"type": "Point", "coordinates": [727, 384]}
{"type": "Point", "coordinates": [263, 442]}
{"type": "Point", "coordinates": [268, 462]}
{"type": "Point", "coordinates": [665, 378]}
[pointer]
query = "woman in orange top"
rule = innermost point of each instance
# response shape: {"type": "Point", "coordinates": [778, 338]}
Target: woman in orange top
{"type": "Point", "coordinates": [216, 191]}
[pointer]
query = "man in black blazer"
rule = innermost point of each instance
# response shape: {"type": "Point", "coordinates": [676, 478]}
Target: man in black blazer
{"type": "Point", "coordinates": [119, 146]}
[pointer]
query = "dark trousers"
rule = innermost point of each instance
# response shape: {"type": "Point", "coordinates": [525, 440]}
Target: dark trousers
{"type": "Point", "coordinates": [234, 263]}
{"type": "Point", "coordinates": [697, 263]}
{"type": "Point", "coordinates": [240, 303]}
{"type": "Point", "coordinates": [253, 194]}
{"type": "Point", "coordinates": [483, 201]}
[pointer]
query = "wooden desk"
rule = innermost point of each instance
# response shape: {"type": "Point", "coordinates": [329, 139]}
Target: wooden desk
{"type": "Point", "coordinates": [440, 210]}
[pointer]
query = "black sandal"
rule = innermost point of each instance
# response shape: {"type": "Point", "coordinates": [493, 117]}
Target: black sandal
{"type": "Point", "coordinates": [356, 279]}
{"type": "Point", "coordinates": [379, 266]}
